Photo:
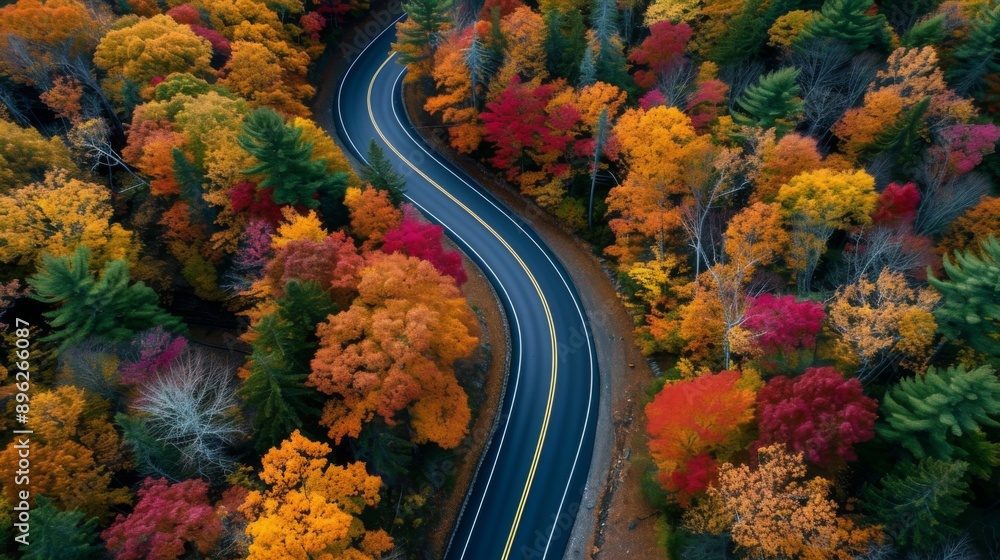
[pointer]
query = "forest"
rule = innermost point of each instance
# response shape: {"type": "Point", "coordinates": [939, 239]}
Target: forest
{"type": "Point", "coordinates": [224, 341]}
{"type": "Point", "coordinates": [798, 201]}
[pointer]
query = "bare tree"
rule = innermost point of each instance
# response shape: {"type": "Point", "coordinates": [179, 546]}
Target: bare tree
{"type": "Point", "coordinates": [92, 140]}
{"type": "Point", "coordinates": [945, 200]}
{"type": "Point", "coordinates": [91, 367]}
{"type": "Point", "coordinates": [191, 408]}
{"type": "Point", "coordinates": [832, 80]}
{"type": "Point", "coordinates": [873, 248]}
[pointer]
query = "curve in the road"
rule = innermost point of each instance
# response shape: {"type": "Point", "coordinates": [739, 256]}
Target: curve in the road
{"type": "Point", "coordinates": [517, 505]}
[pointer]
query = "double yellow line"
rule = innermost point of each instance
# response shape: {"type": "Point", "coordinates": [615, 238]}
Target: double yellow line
{"type": "Point", "coordinates": [545, 306]}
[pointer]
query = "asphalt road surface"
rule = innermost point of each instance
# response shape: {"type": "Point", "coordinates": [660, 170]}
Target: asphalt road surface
{"type": "Point", "coordinates": [528, 488]}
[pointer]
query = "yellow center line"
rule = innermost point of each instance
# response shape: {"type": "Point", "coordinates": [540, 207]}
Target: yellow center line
{"type": "Point", "coordinates": [538, 289]}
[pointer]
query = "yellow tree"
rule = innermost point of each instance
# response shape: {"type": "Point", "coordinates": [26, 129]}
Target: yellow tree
{"type": "Point", "coordinates": [394, 349]}
{"type": "Point", "coordinates": [152, 47]}
{"type": "Point", "coordinates": [883, 323]}
{"type": "Point", "coordinates": [26, 155]}
{"type": "Point", "coordinates": [55, 217]}
{"type": "Point", "coordinates": [310, 508]}
{"type": "Point", "coordinates": [816, 203]}
{"type": "Point", "coordinates": [456, 100]}
{"type": "Point", "coordinates": [655, 146]}
{"type": "Point", "coordinates": [35, 35]}
{"type": "Point", "coordinates": [774, 511]}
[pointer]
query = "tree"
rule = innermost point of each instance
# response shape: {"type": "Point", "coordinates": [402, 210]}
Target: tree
{"type": "Point", "coordinates": [36, 35]}
{"type": "Point", "coordinates": [609, 59]}
{"type": "Point", "coordinates": [884, 323]}
{"type": "Point", "coordinates": [776, 512]}
{"type": "Point", "coordinates": [662, 52]}
{"type": "Point", "coordinates": [565, 43]}
{"type": "Point", "coordinates": [962, 147]}
{"type": "Point", "coordinates": [897, 205]}
{"type": "Point", "coordinates": [108, 306]}
{"type": "Point", "coordinates": [655, 146]}
{"type": "Point", "coordinates": [380, 174]}
{"type": "Point", "coordinates": [978, 55]}
{"type": "Point", "coordinates": [57, 534]}
{"type": "Point", "coordinates": [152, 47]}
{"type": "Point", "coordinates": [166, 521]}
{"type": "Point", "coordinates": [772, 102]}
{"type": "Point", "coordinates": [971, 305]}
{"type": "Point", "coordinates": [672, 10]}
{"type": "Point", "coordinates": [920, 505]}
{"type": "Point", "coordinates": [780, 161]}
{"type": "Point", "coordinates": [188, 411]}
{"type": "Point", "coordinates": [151, 353]}
{"type": "Point", "coordinates": [260, 76]}
{"type": "Point", "coordinates": [58, 216]}
{"type": "Point", "coordinates": [459, 68]}
{"type": "Point", "coordinates": [692, 418]}
{"type": "Point", "coordinates": [310, 508]}
{"type": "Point", "coordinates": [851, 22]}
{"type": "Point", "coordinates": [818, 202]}
{"type": "Point", "coordinates": [372, 214]}
{"type": "Point", "coordinates": [284, 342]}
{"type": "Point", "coordinates": [285, 161]}
{"type": "Point", "coordinates": [393, 350]}
{"type": "Point", "coordinates": [26, 156]}
{"type": "Point", "coordinates": [425, 241]}
{"type": "Point", "coordinates": [781, 326]}
{"type": "Point", "coordinates": [332, 263]}
{"type": "Point", "coordinates": [941, 415]}
{"type": "Point", "coordinates": [818, 414]}
{"type": "Point", "coordinates": [418, 36]}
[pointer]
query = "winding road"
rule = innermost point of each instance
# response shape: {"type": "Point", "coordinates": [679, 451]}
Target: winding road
{"type": "Point", "coordinates": [528, 487]}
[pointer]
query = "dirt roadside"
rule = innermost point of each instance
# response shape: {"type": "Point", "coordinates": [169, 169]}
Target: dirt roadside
{"type": "Point", "coordinates": [614, 521]}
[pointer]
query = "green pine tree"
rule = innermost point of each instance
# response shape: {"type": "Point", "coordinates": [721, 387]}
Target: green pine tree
{"type": "Point", "coordinates": [191, 183]}
{"type": "Point", "coordinates": [925, 33]}
{"type": "Point", "coordinates": [978, 56]}
{"type": "Point", "coordinates": [380, 174]}
{"type": "Point", "coordinates": [971, 308]}
{"type": "Point", "coordinates": [941, 415]}
{"type": "Point", "coordinates": [919, 505]}
{"type": "Point", "coordinates": [386, 451]}
{"type": "Point", "coordinates": [773, 102]}
{"type": "Point", "coordinates": [61, 534]}
{"type": "Point", "coordinates": [904, 139]}
{"type": "Point", "coordinates": [746, 34]}
{"type": "Point", "coordinates": [849, 21]}
{"type": "Point", "coordinates": [152, 457]}
{"type": "Point", "coordinates": [609, 60]}
{"type": "Point", "coordinates": [429, 19]}
{"type": "Point", "coordinates": [285, 343]}
{"type": "Point", "coordinates": [108, 307]}
{"type": "Point", "coordinates": [285, 161]}
{"type": "Point", "coordinates": [565, 43]}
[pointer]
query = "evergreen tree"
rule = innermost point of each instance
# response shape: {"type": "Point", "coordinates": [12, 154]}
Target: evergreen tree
{"type": "Point", "coordinates": [746, 34]}
{"type": "Point", "coordinates": [380, 174]}
{"type": "Point", "coordinates": [191, 183]}
{"type": "Point", "coordinates": [477, 59]}
{"type": "Point", "coordinates": [849, 21]}
{"type": "Point", "coordinates": [385, 451]}
{"type": "Point", "coordinates": [285, 343]}
{"type": "Point", "coordinates": [565, 43]}
{"type": "Point", "coordinates": [609, 61]}
{"type": "Point", "coordinates": [108, 307]}
{"type": "Point", "coordinates": [285, 161]}
{"type": "Point", "coordinates": [61, 534]}
{"type": "Point", "coordinates": [772, 102]}
{"type": "Point", "coordinates": [920, 504]}
{"type": "Point", "coordinates": [904, 139]}
{"type": "Point", "coordinates": [588, 73]}
{"type": "Point", "coordinates": [418, 36]}
{"type": "Point", "coordinates": [941, 415]}
{"type": "Point", "coordinates": [978, 56]}
{"type": "Point", "coordinates": [925, 33]}
{"type": "Point", "coordinates": [971, 308]}
{"type": "Point", "coordinates": [600, 137]}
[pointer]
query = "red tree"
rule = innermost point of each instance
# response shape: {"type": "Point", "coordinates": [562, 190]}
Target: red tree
{"type": "Point", "coordinates": [691, 418]}
{"type": "Point", "coordinates": [897, 205]}
{"type": "Point", "coordinates": [819, 414]}
{"type": "Point", "coordinates": [333, 263]}
{"type": "Point", "coordinates": [423, 240]}
{"type": "Point", "coordinates": [154, 350]}
{"type": "Point", "coordinates": [166, 519]}
{"type": "Point", "coordinates": [661, 52]}
{"type": "Point", "coordinates": [514, 122]}
{"type": "Point", "coordinates": [257, 203]}
{"type": "Point", "coordinates": [783, 325]}
{"type": "Point", "coordinates": [964, 146]}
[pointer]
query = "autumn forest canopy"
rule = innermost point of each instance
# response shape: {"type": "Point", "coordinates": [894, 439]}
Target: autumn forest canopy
{"type": "Point", "coordinates": [799, 201]}
{"type": "Point", "coordinates": [242, 347]}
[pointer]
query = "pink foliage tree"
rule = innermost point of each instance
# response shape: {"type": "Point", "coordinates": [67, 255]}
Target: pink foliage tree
{"type": "Point", "coordinates": [819, 414]}
{"type": "Point", "coordinates": [333, 263]}
{"type": "Point", "coordinates": [783, 325]}
{"type": "Point", "coordinates": [257, 203]}
{"type": "Point", "coordinates": [423, 240]}
{"type": "Point", "coordinates": [185, 14]}
{"type": "Point", "coordinates": [963, 146]}
{"type": "Point", "coordinates": [166, 519]}
{"type": "Point", "coordinates": [154, 350]}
